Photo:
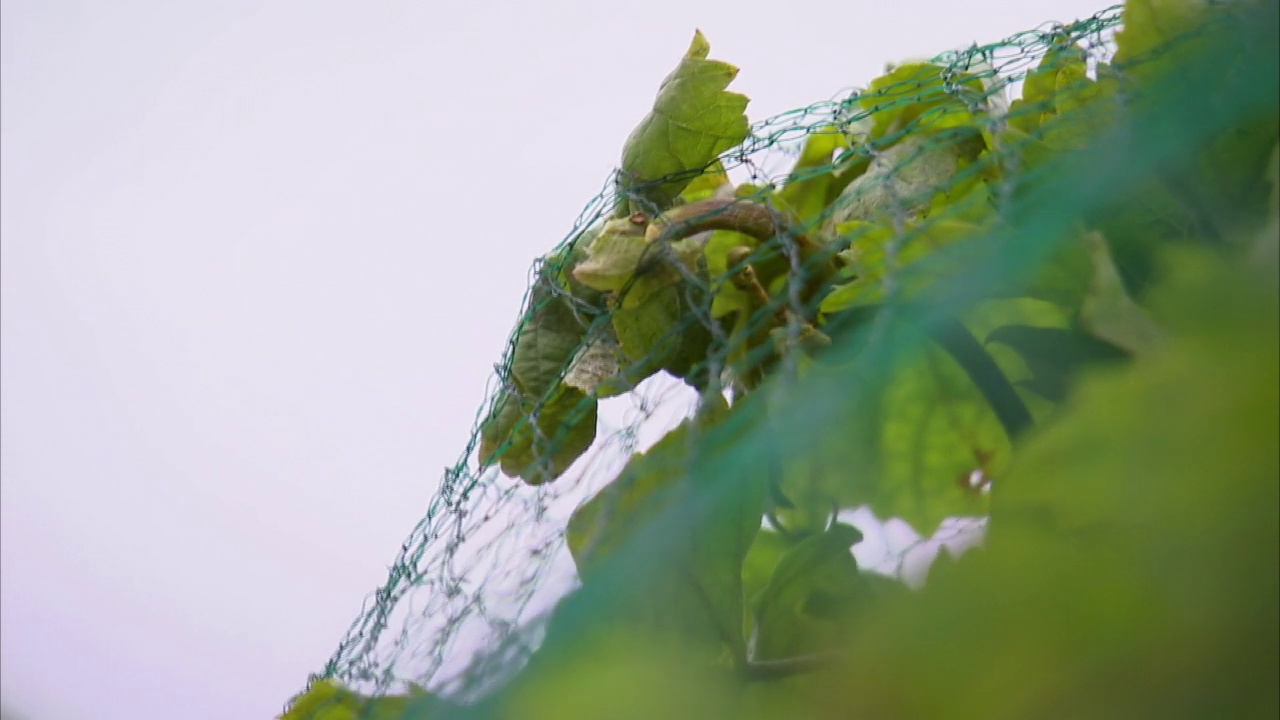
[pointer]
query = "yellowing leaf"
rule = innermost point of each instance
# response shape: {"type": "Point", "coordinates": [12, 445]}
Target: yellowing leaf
{"type": "Point", "coordinates": [613, 257]}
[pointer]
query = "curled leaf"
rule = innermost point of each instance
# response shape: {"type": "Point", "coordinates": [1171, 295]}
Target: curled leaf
{"type": "Point", "coordinates": [811, 596]}
{"type": "Point", "coordinates": [538, 441]}
{"type": "Point", "coordinates": [612, 258]}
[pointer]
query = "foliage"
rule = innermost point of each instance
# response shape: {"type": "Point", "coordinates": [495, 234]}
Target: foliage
{"type": "Point", "coordinates": [1060, 312]}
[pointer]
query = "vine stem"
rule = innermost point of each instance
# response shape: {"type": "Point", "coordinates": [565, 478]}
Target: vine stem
{"type": "Point", "coordinates": [956, 339]}
{"type": "Point", "coordinates": [753, 219]}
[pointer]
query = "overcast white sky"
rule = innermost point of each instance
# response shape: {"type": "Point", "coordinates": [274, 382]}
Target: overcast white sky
{"type": "Point", "coordinates": [259, 259]}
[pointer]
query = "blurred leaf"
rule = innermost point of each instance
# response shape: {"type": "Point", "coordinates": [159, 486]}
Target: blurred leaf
{"type": "Point", "coordinates": [1155, 33]}
{"type": "Point", "coordinates": [622, 672]}
{"type": "Point", "coordinates": [329, 700]}
{"type": "Point", "coordinates": [766, 551]}
{"type": "Point", "coordinates": [1107, 312]}
{"type": "Point", "coordinates": [1053, 355]}
{"type": "Point", "coordinates": [694, 589]}
{"type": "Point", "coordinates": [1132, 567]}
{"type": "Point", "coordinates": [813, 593]}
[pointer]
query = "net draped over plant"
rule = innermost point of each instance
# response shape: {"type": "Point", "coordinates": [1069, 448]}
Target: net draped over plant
{"type": "Point", "coordinates": [1012, 287]}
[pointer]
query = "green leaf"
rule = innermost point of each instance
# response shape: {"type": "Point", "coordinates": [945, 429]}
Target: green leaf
{"type": "Point", "coordinates": [766, 551]}
{"type": "Point", "coordinates": [662, 333]}
{"type": "Point", "coordinates": [1140, 530]}
{"type": "Point", "coordinates": [1182, 390]}
{"type": "Point", "coordinates": [620, 671]}
{"type": "Point", "coordinates": [693, 121]}
{"type": "Point", "coordinates": [621, 261]}
{"type": "Point", "coordinates": [1041, 85]}
{"type": "Point", "coordinates": [1138, 224]}
{"type": "Point", "coordinates": [545, 346]}
{"type": "Point", "coordinates": [911, 447]}
{"type": "Point", "coordinates": [812, 595]}
{"type": "Point", "coordinates": [567, 260]}
{"type": "Point", "coordinates": [934, 428]}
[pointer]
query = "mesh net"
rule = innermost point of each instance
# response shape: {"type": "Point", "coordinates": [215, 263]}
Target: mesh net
{"type": "Point", "coordinates": [763, 345]}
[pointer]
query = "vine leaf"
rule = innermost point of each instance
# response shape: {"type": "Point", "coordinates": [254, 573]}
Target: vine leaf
{"type": "Point", "coordinates": [712, 182]}
{"type": "Point", "coordinates": [1039, 101]}
{"type": "Point", "coordinates": [765, 553]}
{"type": "Point", "coordinates": [1219, 184]}
{"type": "Point", "coordinates": [902, 180]}
{"type": "Point", "coordinates": [867, 262]}
{"type": "Point", "coordinates": [550, 336]}
{"type": "Point", "coordinates": [693, 121]}
{"type": "Point", "coordinates": [544, 347]}
{"type": "Point", "coordinates": [916, 436]}
{"type": "Point", "coordinates": [662, 333]}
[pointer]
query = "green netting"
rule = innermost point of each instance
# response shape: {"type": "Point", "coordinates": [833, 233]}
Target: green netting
{"type": "Point", "coordinates": [762, 340]}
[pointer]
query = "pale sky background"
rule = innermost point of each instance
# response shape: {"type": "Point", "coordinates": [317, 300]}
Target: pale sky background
{"type": "Point", "coordinates": [258, 262]}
